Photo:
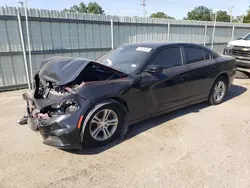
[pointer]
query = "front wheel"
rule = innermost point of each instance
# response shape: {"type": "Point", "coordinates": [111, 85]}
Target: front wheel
{"type": "Point", "coordinates": [218, 91]}
{"type": "Point", "coordinates": [104, 125]}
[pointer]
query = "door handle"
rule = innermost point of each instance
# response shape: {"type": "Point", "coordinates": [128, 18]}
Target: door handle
{"type": "Point", "coordinates": [183, 77]}
{"type": "Point", "coordinates": [213, 67]}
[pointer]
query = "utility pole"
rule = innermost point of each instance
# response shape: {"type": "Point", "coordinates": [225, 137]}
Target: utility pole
{"type": "Point", "coordinates": [215, 19]}
{"type": "Point", "coordinates": [143, 4]}
{"type": "Point", "coordinates": [231, 13]}
{"type": "Point", "coordinates": [21, 2]}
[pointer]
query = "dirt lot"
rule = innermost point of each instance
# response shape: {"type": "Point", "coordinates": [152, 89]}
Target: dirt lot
{"type": "Point", "coordinates": [199, 146]}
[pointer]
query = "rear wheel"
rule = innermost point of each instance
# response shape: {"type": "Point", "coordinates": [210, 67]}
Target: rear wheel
{"type": "Point", "coordinates": [104, 125]}
{"type": "Point", "coordinates": [218, 91]}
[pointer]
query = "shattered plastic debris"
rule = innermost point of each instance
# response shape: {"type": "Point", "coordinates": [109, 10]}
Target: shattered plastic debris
{"type": "Point", "coordinates": [23, 120]}
{"type": "Point", "coordinates": [42, 116]}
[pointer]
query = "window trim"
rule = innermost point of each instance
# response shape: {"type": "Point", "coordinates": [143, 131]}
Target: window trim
{"type": "Point", "coordinates": [164, 48]}
{"type": "Point", "coordinates": [209, 53]}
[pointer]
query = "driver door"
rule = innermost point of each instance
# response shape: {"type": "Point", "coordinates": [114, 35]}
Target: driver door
{"type": "Point", "coordinates": [167, 89]}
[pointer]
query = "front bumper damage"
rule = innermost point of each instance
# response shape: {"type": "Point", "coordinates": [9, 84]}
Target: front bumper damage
{"type": "Point", "coordinates": [59, 131]}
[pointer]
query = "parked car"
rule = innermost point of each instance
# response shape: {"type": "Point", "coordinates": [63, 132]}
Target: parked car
{"type": "Point", "coordinates": [79, 101]}
{"type": "Point", "coordinates": [240, 50]}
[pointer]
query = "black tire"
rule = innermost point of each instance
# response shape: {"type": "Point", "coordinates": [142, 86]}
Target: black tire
{"type": "Point", "coordinates": [89, 140]}
{"type": "Point", "coordinates": [241, 75]}
{"type": "Point", "coordinates": [211, 99]}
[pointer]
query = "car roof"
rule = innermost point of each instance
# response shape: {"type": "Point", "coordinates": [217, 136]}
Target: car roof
{"type": "Point", "coordinates": [158, 44]}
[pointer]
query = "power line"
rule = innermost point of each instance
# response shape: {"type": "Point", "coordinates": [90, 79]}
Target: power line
{"type": "Point", "coordinates": [231, 13]}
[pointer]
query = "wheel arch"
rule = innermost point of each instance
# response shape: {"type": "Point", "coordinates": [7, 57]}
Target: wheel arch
{"type": "Point", "coordinates": [98, 105]}
{"type": "Point", "coordinates": [223, 74]}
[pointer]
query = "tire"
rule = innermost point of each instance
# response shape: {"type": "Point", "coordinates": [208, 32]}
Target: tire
{"type": "Point", "coordinates": [241, 75]}
{"type": "Point", "coordinates": [215, 99]}
{"type": "Point", "coordinates": [92, 138]}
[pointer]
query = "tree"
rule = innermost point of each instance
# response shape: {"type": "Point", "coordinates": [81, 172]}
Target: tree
{"type": "Point", "coordinates": [92, 7]}
{"type": "Point", "coordinates": [247, 17]}
{"type": "Point", "coordinates": [222, 16]}
{"type": "Point", "coordinates": [160, 15]}
{"type": "Point", "coordinates": [200, 13]}
{"type": "Point", "coordinates": [238, 19]}
{"type": "Point", "coordinates": [78, 8]}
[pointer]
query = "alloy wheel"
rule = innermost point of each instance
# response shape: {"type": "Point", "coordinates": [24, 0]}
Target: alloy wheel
{"type": "Point", "coordinates": [103, 124]}
{"type": "Point", "coordinates": [219, 91]}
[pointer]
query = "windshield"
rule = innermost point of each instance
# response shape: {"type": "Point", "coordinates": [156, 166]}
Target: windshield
{"type": "Point", "coordinates": [247, 37]}
{"type": "Point", "coordinates": [125, 58]}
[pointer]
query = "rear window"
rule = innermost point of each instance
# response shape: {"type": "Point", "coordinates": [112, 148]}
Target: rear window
{"type": "Point", "coordinates": [168, 58]}
{"type": "Point", "coordinates": [194, 55]}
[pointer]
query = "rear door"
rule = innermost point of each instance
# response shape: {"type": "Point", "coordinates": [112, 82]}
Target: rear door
{"type": "Point", "coordinates": [165, 90]}
{"type": "Point", "coordinates": [202, 71]}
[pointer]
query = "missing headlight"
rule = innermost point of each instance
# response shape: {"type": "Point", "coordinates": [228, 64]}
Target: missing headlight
{"type": "Point", "coordinates": [63, 108]}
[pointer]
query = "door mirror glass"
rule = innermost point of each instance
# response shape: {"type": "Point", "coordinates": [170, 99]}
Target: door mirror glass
{"type": "Point", "coordinates": [154, 69]}
{"type": "Point", "coordinates": [239, 38]}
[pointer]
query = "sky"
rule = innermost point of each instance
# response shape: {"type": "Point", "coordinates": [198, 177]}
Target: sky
{"type": "Point", "coordinates": [175, 8]}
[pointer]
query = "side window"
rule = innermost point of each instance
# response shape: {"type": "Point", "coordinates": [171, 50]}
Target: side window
{"type": "Point", "coordinates": [207, 55]}
{"type": "Point", "coordinates": [194, 55]}
{"type": "Point", "coordinates": [168, 58]}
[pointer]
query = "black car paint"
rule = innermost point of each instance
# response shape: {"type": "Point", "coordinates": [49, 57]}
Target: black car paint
{"type": "Point", "coordinates": [141, 94]}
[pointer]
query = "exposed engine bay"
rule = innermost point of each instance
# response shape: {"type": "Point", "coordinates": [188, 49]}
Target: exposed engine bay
{"type": "Point", "coordinates": [91, 73]}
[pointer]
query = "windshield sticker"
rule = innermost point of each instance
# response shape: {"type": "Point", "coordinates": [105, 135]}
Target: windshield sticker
{"type": "Point", "coordinates": [143, 49]}
{"type": "Point", "coordinates": [133, 65]}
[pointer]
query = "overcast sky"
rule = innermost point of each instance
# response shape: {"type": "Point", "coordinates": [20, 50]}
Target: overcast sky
{"type": "Point", "coordinates": [175, 8]}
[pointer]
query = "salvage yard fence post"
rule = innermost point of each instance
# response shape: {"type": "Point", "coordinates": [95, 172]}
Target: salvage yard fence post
{"type": "Point", "coordinates": [23, 48]}
{"type": "Point", "coordinates": [28, 40]}
{"type": "Point", "coordinates": [112, 33]}
{"type": "Point", "coordinates": [168, 30]}
{"type": "Point", "coordinates": [232, 38]}
{"type": "Point", "coordinates": [205, 35]}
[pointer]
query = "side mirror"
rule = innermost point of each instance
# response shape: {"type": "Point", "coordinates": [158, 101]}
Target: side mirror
{"type": "Point", "coordinates": [136, 78]}
{"type": "Point", "coordinates": [154, 69]}
{"type": "Point", "coordinates": [239, 38]}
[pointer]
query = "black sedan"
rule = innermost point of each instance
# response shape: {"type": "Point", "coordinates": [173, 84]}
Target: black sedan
{"type": "Point", "coordinates": [79, 101]}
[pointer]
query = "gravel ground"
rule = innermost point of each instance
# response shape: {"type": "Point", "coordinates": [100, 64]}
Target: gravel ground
{"type": "Point", "coordinates": [199, 146]}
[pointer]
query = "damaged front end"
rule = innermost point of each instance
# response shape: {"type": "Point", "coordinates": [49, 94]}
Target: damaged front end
{"type": "Point", "coordinates": [54, 107]}
{"type": "Point", "coordinates": [56, 117]}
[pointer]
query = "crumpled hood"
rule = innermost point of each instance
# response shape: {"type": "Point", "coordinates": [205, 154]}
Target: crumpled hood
{"type": "Point", "coordinates": [62, 70]}
{"type": "Point", "coordinates": [243, 43]}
